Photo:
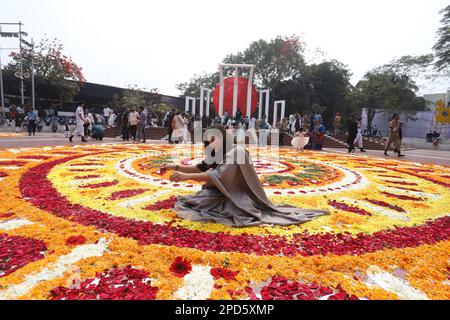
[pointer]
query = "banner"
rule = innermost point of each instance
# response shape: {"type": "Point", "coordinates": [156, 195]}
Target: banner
{"type": "Point", "coordinates": [442, 113]}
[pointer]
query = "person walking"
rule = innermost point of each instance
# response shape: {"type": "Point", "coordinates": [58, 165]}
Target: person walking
{"type": "Point", "coordinates": [91, 122]}
{"type": "Point", "coordinates": [112, 119]}
{"type": "Point", "coordinates": [142, 124]}
{"type": "Point", "coordinates": [170, 118]}
{"type": "Point", "coordinates": [184, 129]}
{"type": "Point", "coordinates": [31, 118]}
{"type": "Point", "coordinates": [359, 136]}
{"type": "Point", "coordinates": [400, 134]}
{"type": "Point", "coordinates": [18, 120]}
{"type": "Point", "coordinates": [177, 125]}
{"type": "Point", "coordinates": [297, 124]}
{"type": "Point", "coordinates": [133, 120]}
{"type": "Point", "coordinates": [80, 122]}
{"type": "Point", "coordinates": [393, 137]}
{"type": "Point", "coordinates": [337, 124]}
{"type": "Point", "coordinates": [126, 125]}
{"type": "Point", "coordinates": [263, 127]}
{"type": "Point", "coordinates": [106, 115]}
{"type": "Point", "coordinates": [352, 127]}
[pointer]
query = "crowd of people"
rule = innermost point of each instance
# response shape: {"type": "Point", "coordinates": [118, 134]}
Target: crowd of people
{"type": "Point", "coordinates": [306, 130]}
{"type": "Point", "coordinates": [87, 125]}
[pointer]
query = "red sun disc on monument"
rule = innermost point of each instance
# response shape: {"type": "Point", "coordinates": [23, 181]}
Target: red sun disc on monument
{"type": "Point", "coordinates": [242, 96]}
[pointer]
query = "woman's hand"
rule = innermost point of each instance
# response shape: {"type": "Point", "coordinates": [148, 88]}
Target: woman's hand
{"type": "Point", "coordinates": [179, 176]}
{"type": "Point", "coordinates": [168, 166]}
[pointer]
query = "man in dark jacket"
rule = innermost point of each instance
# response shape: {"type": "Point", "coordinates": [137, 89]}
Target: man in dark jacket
{"type": "Point", "coordinates": [352, 127]}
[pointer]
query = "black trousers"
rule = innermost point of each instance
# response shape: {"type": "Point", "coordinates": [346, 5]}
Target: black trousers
{"type": "Point", "coordinates": [31, 126]}
{"type": "Point", "coordinates": [170, 134]}
{"type": "Point", "coordinates": [351, 142]}
{"type": "Point", "coordinates": [133, 132]}
{"type": "Point", "coordinates": [125, 133]}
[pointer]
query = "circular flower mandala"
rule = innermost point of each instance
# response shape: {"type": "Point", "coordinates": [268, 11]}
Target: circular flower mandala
{"type": "Point", "coordinates": [109, 207]}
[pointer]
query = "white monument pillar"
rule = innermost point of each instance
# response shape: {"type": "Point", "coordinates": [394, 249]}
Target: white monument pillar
{"type": "Point", "coordinates": [250, 94]}
{"type": "Point", "coordinates": [261, 94]}
{"type": "Point", "coordinates": [221, 91]}
{"type": "Point", "coordinates": [188, 105]}
{"type": "Point", "coordinates": [235, 90]}
{"type": "Point", "coordinates": [202, 100]}
{"type": "Point", "coordinates": [236, 86]}
{"type": "Point", "coordinates": [282, 103]}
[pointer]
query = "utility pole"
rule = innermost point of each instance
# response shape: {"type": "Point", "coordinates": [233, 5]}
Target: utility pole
{"type": "Point", "coordinates": [2, 93]}
{"type": "Point", "coordinates": [19, 35]}
{"type": "Point", "coordinates": [33, 97]}
{"type": "Point", "coordinates": [21, 65]}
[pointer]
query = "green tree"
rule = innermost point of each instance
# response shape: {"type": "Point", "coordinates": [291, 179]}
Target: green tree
{"type": "Point", "coordinates": [52, 67]}
{"type": "Point", "coordinates": [329, 86]}
{"type": "Point", "coordinates": [433, 65]}
{"type": "Point", "coordinates": [133, 98]}
{"type": "Point", "coordinates": [192, 87]}
{"type": "Point", "coordinates": [280, 59]}
{"type": "Point", "coordinates": [385, 89]}
{"type": "Point", "coordinates": [442, 46]}
{"type": "Point", "coordinates": [277, 60]}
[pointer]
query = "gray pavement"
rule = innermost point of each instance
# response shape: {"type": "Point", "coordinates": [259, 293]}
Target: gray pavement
{"type": "Point", "coordinates": [22, 140]}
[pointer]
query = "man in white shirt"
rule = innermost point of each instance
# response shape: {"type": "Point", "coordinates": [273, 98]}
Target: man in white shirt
{"type": "Point", "coordinates": [133, 120]}
{"type": "Point", "coordinates": [106, 114]}
{"type": "Point", "coordinates": [80, 121]}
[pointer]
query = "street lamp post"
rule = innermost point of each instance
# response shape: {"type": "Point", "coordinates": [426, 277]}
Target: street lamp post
{"type": "Point", "coordinates": [21, 65]}
{"type": "Point", "coordinates": [2, 94]}
{"type": "Point", "coordinates": [33, 97]}
{"type": "Point", "coordinates": [19, 35]}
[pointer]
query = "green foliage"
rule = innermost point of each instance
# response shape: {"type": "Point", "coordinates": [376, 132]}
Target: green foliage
{"type": "Point", "coordinates": [383, 88]}
{"type": "Point", "coordinates": [280, 59]}
{"type": "Point", "coordinates": [330, 88]}
{"type": "Point", "coordinates": [133, 98]}
{"type": "Point", "coordinates": [162, 108]}
{"type": "Point", "coordinates": [192, 87]}
{"type": "Point", "coordinates": [52, 67]}
{"type": "Point", "coordinates": [322, 87]}
{"type": "Point", "coordinates": [442, 46]}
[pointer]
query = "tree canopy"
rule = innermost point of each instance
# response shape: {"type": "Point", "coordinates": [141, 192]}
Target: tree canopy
{"type": "Point", "coordinates": [442, 46]}
{"type": "Point", "coordinates": [52, 67]}
{"type": "Point", "coordinates": [383, 88]}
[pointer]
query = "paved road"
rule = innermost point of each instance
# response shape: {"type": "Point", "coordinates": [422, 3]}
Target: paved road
{"type": "Point", "coordinates": [8, 140]}
{"type": "Point", "coordinates": [418, 155]}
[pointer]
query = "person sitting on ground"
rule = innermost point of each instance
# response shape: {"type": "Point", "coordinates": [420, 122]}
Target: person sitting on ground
{"type": "Point", "coordinates": [436, 137]}
{"type": "Point", "coordinates": [97, 132]}
{"type": "Point", "coordinates": [232, 193]}
{"type": "Point", "coordinates": [300, 140]}
{"type": "Point", "coordinates": [430, 136]}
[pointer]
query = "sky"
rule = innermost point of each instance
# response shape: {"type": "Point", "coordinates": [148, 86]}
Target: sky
{"type": "Point", "coordinates": [157, 44]}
